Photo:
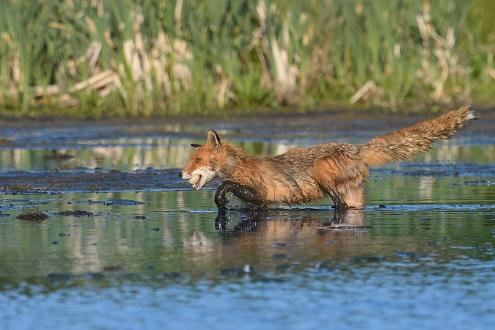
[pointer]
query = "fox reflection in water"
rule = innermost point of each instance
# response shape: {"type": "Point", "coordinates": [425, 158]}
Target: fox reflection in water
{"type": "Point", "coordinates": [266, 238]}
{"type": "Point", "coordinates": [291, 227]}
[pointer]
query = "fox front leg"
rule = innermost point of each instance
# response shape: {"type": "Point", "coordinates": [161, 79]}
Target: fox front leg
{"type": "Point", "coordinates": [243, 193]}
{"type": "Point", "coordinates": [220, 195]}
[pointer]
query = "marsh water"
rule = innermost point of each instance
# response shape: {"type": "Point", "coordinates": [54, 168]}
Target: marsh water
{"type": "Point", "coordinates": [128, 245]}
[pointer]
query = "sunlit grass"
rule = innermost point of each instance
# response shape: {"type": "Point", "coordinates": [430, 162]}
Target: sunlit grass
{"type": "Point", "coordinates": [126, 58]}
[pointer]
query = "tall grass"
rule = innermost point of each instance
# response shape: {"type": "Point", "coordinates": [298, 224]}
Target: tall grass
{"type": "Point", "coordinates": [123, 57]}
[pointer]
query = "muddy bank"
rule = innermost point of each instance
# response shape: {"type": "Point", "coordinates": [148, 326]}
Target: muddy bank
{"type": "Point", "coordinates": [351, 126]}
{"type": "Point", "coordinates": [24, 182]}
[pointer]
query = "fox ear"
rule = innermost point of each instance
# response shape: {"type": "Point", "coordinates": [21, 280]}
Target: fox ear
{"type": "Point", "coordinates": [214, 139]}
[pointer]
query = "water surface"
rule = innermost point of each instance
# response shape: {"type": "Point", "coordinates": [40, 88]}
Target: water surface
{"type": "Point", "coordinates": [148, 252]}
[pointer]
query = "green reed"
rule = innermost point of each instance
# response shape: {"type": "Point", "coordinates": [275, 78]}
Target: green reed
{"type": "Point", "coordinates": [133, 58]}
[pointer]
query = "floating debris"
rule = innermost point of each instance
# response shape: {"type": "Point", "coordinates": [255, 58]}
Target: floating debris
{"type": "Point", "coordinates": [76, 213]}
{"type": "Point", "coordinates": [123, 202]}
{"type": "Point", "coordinates": [36, 216]}
{"type": "Point", "coordinates": [343, 226]}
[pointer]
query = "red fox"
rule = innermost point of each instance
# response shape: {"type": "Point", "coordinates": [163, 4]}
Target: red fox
{"type": "Point", "coordinates": [304, 174]}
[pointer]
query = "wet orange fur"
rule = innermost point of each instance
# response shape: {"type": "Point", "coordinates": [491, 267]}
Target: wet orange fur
{"type": "Point", "coordinates": [339, 170]}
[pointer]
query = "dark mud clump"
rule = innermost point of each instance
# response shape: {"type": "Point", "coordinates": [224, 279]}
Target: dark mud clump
{"type": "Point", "coordinates": [76, 213]}
{"type": "Point", "coordinates": [35, 216]}
{"type": "Point", "coordinates": [17, 188]}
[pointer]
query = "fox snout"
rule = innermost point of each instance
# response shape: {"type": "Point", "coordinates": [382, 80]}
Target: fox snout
{"type": "Point", "coordinates": [184, 175]}
{"type": "Point", "coordinates": [199, 177]}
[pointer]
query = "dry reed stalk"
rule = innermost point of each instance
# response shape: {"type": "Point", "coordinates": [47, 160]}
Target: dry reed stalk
{"type": "Point", "coordinates": [446, 61]}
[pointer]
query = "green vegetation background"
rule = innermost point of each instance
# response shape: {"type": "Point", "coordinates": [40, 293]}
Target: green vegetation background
{"type": "Point", "coordinates": [145, 58]}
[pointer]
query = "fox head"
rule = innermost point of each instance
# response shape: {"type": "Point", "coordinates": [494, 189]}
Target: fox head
{"type": "Point", "coordinates": [205, 162]}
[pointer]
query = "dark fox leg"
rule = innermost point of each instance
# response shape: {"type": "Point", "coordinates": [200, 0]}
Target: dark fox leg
{"type": "Point", "coordinates": [337, 198]}
{"type": "Point", "coordinates": [241, 192]}
{"type": "Point", "coordinates": [351, 198]}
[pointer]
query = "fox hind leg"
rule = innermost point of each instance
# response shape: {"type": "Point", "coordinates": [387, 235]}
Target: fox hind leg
{"type": "Point", "coordinates": [349, 198]}
{"type": "Point", "coordinates": [353, 197]}
{"type": "Point", "coordinates": [342, 178]}
{"type": "Point", "coordinates": [337, 198]}
{"type": "Point", "coordinates": [327, 183]}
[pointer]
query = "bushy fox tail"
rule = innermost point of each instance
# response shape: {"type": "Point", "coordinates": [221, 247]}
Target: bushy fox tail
{"type": "Point", "coordinates": [405, 143]}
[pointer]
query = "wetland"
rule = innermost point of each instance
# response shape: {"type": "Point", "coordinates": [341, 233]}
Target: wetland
{"type": "Point", "coordinates": [119, 240]}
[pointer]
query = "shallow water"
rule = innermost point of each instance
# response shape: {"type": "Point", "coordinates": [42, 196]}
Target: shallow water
{"type": "Point", "coordinates": [150, 253]}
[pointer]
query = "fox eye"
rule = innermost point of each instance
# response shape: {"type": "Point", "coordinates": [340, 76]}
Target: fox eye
{"type": "Point", "coordinates": [197, 159]}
